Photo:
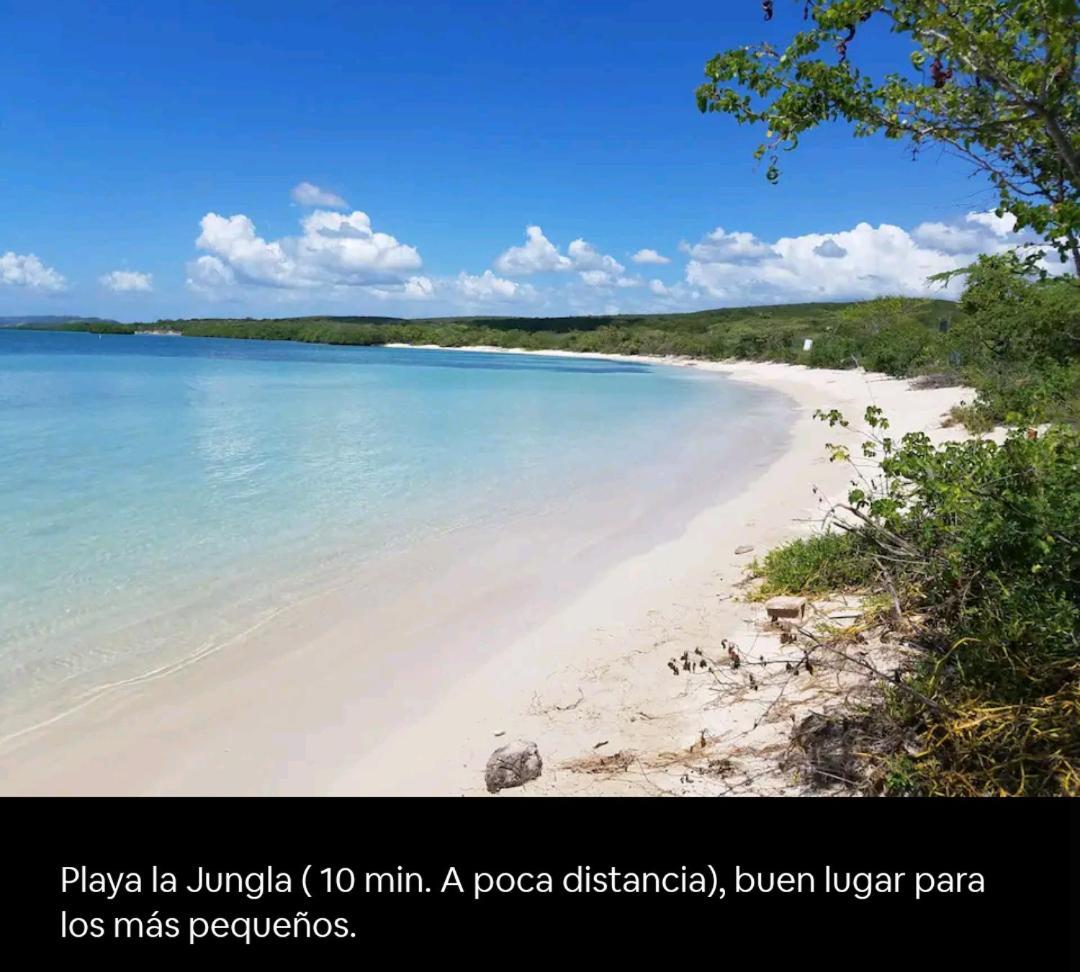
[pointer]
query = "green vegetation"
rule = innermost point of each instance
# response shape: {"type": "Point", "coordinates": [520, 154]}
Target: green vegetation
{"type": "Point", "coordinates": [900, 336]}
{"type": "Point", "coordinates": [1019, 339]}
{"type": "Point", "coordinates": [93, 326]}
{"type": "Point", "coordinates": [981, 543]}
{"type": "Point", "coordinates": [972, 417]}
{"type": "Point", "coordinates": [995, 565]}
{"type": "Point", "coordinates": [896, 334]}
{"type": "Point", "coordinates": [819, 564]}
{"type": "Point", "coordinates": [995, 82]}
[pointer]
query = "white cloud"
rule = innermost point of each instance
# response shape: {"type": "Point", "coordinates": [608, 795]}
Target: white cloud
{"type": "Point", "coordinates": [877, 260]}
{"type": "Point", "coordinates": [650, 257]}
{"type": "Point", "coordinates": [335, 254]}
{"type": "Point", "coordinates": [947, 238]}
{"type": "Point", "coordinates": [488, 286]}
{"type": "Point", "coordinates": [595, 268]}
{"type": "Point", "coordinates": [453, 292]}
{"type": "Point", "coordinates": [26, 270]}
{"type": "Point", "coordinates": [127, 281]}
{"type": "Point", "coordinates": [596, 278]}
{"type": "Point", "coordinates": [307, 194]}
{"type": "Point", "coordinates": [346, 248]}
{"type": "Point", "coordinates": [1000, 226]}
{"type": "Point", "coordinates": [334, 250]}
{"type": "Point", "coordinates": [418, 288]}
{"type": "Point", "coordinates": [208, 276]}
{"type": "Point", "coordinates": [723, 247]}
{"type": "Point", "coordinates": [602, 278]}
{"type": "Point", "coordinates": [865, 261]}
{"type": "Point", "coordinates": [975, 233]}
{"type": "Point", "coordinates": [586, 257]}
{"type": "Point", "coordinates": [538, 255]}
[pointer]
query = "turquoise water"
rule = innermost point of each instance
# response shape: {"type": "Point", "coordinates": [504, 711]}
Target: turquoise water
{"type": "Point", "coordinates": [158, 493]}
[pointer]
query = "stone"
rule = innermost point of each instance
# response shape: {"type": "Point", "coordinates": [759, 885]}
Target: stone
{"type": "Point", "coordinates": [513, 765]}
{"type": "Point", "coordinates": [785, 608]}
{"type": "Point", "coordinates": [745, 548]}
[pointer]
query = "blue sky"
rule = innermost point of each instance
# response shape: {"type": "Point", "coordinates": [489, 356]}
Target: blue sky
{"type": "Point", "coordinates": [151, 154]}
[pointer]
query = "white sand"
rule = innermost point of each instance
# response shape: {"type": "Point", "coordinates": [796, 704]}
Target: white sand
{"type": "Point", "coordinates": [302, 707]}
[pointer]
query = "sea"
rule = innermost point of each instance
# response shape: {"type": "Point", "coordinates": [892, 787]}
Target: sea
{"type": "Point", "coordinates": [160, 494]}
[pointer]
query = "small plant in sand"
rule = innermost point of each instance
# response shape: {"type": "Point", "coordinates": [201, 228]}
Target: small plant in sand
{"type": "Point", "coordinates": [821, 564]}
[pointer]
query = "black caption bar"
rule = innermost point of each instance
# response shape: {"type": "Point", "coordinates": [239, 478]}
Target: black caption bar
{"type": "Point", "coordinates": [772, 878]}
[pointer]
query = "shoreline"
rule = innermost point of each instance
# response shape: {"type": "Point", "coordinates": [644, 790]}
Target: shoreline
{"type": "Point", "coordinates": [591, 685]}
{"type": "Point", "coordinates": [579, 659]}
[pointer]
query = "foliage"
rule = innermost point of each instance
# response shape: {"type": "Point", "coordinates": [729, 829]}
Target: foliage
{"type": "Point", "coordinates": [1019, 341]}
{"type": "Point", "coordinates": [880, 335]}
{"type": "Point", "coordinates": [774, 333]}
{"type": "Point", "coordinates": [1008, 316]}
{"type": "Point", "coordinates": [982, 541]}
{"type": "Point", "coordinates": [980, 748]}
{"type": "Point", "coordinates": [94, 327]}
{"type": "Point", "coordinates": [819, 564]}
{"type": "Point", "coordinates": [1026, 394]}
{"type": "Point", "coordinates": [994, 81]}
{"type": "Point", "coordinates": [975, 419]}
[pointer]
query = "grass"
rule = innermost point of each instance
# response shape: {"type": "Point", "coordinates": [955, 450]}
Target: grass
{"type": "Point", "coordinates": [976, 420]}
{"type": "Point", "coordinates": [821, 564]}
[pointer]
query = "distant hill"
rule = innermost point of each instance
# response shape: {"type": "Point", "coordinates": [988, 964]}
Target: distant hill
{"type": "Point", "coordinates": [47, 320]}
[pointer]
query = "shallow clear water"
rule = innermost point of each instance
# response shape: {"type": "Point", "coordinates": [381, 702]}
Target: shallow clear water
{"type": "Point", "coordinates": [159, 493]}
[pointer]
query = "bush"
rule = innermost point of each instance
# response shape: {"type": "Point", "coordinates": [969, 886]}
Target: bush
{"type": "Point", "coordinates": [819, 564]}
{"type": "Point", "coordinates": [983, 542]}
{"type": "Point", "coordinates": [974, 418]}
{"type": "Point", "coordinates": [1019, 340]}
{"type": "Point", "coordinates": [889, 334]}
{"type": "Point", "coordinates": [995, 538]}
{"type": "Point", "coordinates": [1029, 393]}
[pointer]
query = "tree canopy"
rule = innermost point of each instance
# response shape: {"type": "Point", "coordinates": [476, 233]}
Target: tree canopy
{"type": "Point", "coordinates": [994, 81]}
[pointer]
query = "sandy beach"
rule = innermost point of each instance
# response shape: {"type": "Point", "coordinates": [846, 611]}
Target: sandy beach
{"type": "Point", "coordinates": [591, 686]}
{"type": "Point", "coordinates": [579, 668]}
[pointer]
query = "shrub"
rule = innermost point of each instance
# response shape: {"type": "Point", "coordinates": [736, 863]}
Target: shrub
{"type": "Point", "coordinates": [1019, 340]}
{"type": "Point", "coordinates": [819, 564]}
{"type": "Point", "coordinates": [974, 418]}
{"type": "Point", "coordinates": [983, 541]}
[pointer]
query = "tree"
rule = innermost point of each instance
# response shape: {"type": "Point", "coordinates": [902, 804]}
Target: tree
{"type": "Point", "coordinates": [995, 81]}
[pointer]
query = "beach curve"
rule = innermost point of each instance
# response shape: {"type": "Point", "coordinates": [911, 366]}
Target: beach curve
{"type": "Point", "coordinates": [590, 660]}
